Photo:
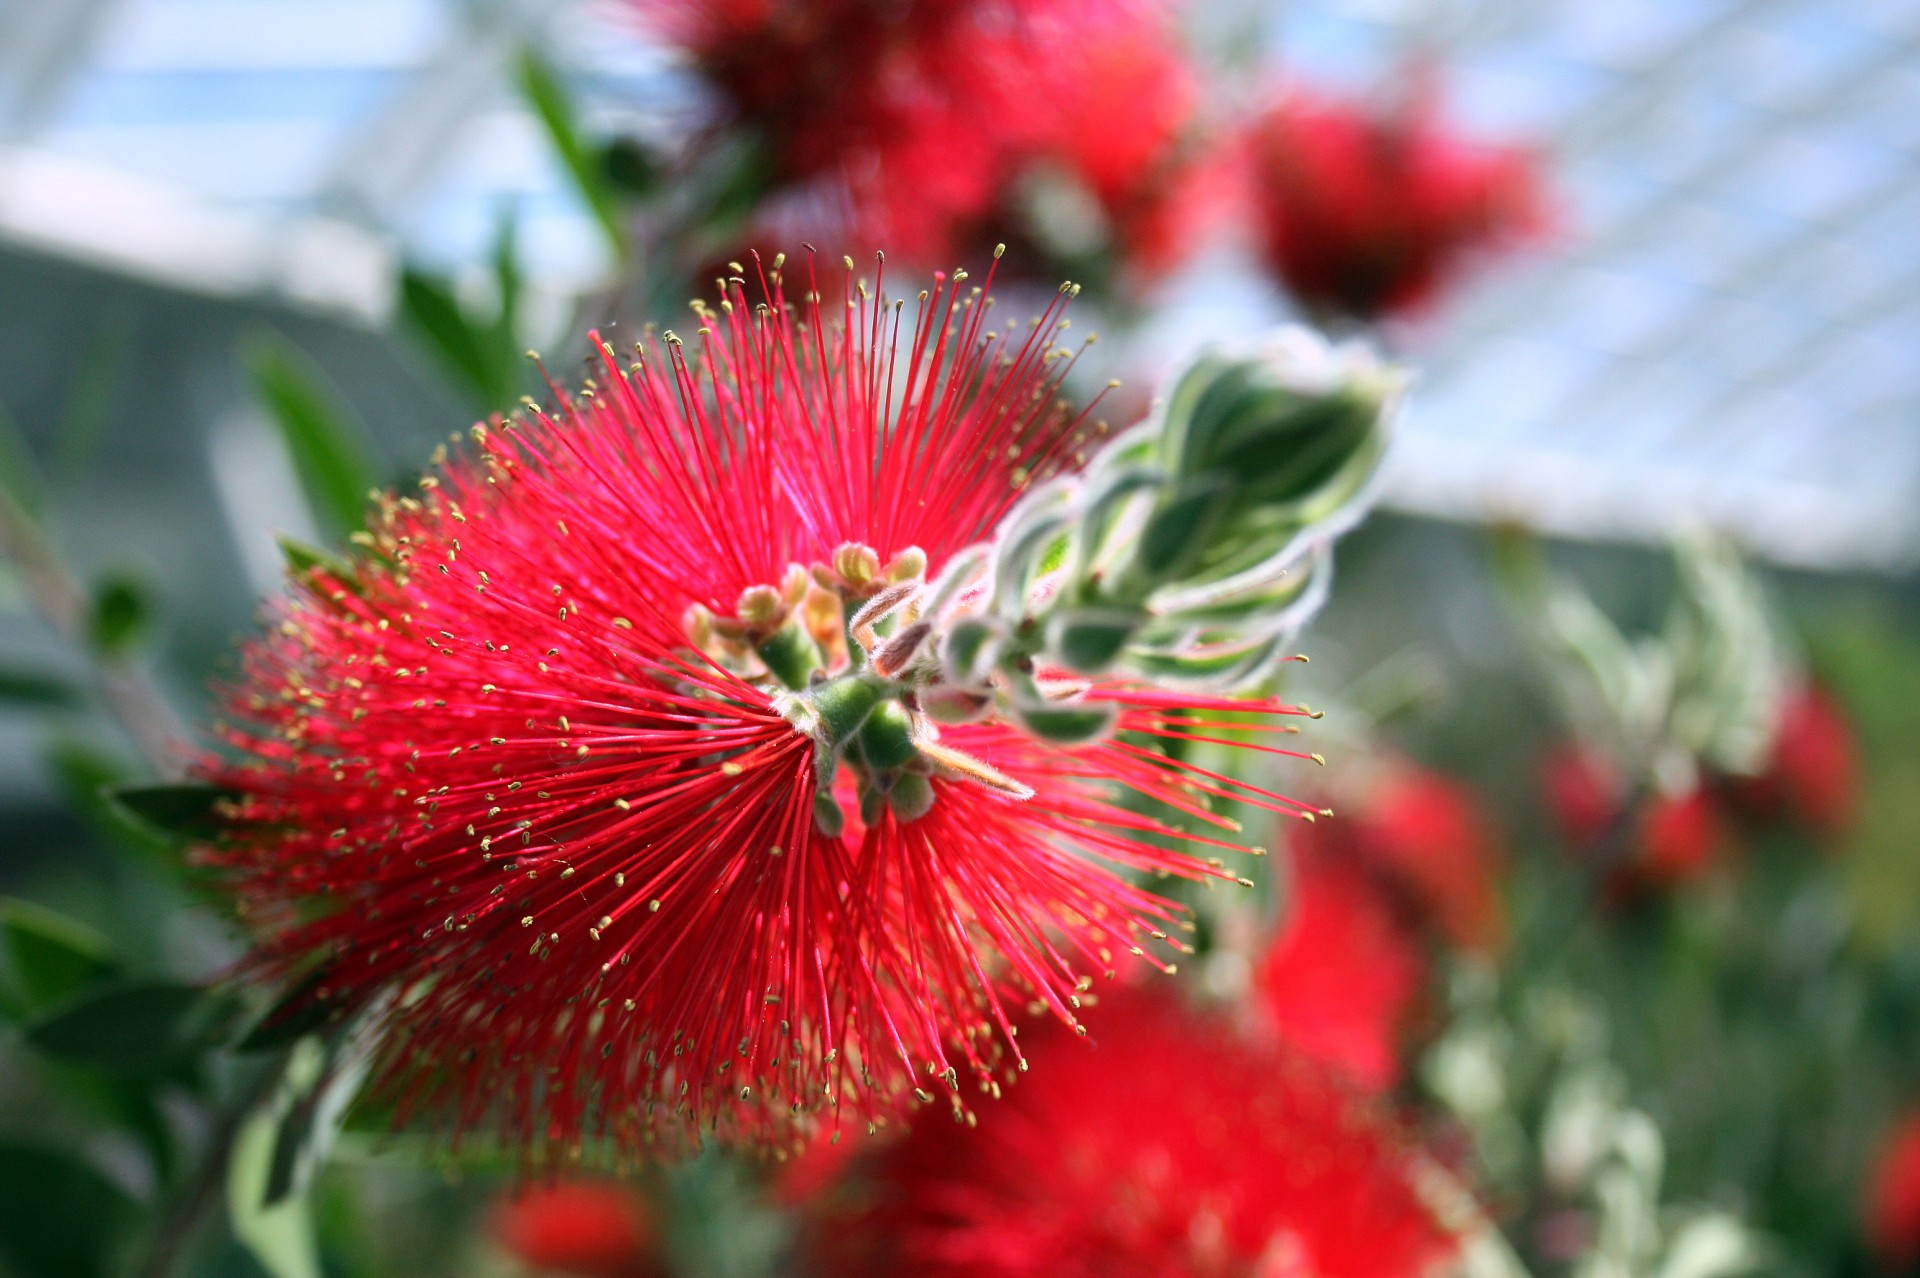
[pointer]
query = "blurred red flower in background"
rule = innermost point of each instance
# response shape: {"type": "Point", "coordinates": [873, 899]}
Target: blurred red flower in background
{"type": "Point", "coordinates": [1409, 857]}
{"type": "Point", "coordinates": [1366, 212]}
{"type": "Point", "coordinates": [491, 762]}
{"type": "Point", "coordinates": [1342, 974]}
{"type": "Point", "coordinates": [1813, 771]}
{"type": "Point", "coordinates": [1893, 1199]}
{"type": "Point", "coordinates": [909, 125]}
{"type": "Point", "coordinates": [1675, 839]}
{"type": "Point", "coordinates": [1170, 1147]}
{"type": "Point", "coordinates": [589, 1228]}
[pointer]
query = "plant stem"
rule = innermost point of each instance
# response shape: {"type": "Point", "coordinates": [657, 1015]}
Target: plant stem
{"type": "Point", "coordinates": [123, 685]}
{"type": "Point", "coordinates": [203, 1195]}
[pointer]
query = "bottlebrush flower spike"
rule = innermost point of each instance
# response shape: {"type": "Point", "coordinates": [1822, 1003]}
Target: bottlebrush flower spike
{"type": "Point", "coordinates": [609, 753]}
{"type": "Point", "coordinates": [1892, 1198]}
{"type": "Point", "coordinates": [1366, 214]}
{"type": "Point", "coordinates": [589, 1228]}
{"type": "Point", "coordinates": [1340, 979]}
{"type": "Point", "coordinates": [1168, 1147]}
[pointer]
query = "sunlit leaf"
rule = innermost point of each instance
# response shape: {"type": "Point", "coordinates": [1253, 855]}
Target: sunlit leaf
{"type": "Point", "coordinates": [301, 559]}
{"type": "Point", "coordinates": [285, 1141]}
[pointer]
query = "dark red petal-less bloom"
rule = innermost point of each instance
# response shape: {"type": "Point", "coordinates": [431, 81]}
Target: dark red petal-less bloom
{"type": "Point", "coordinates": [1168, 1147]}
{"type": "Point", "coordinates": [906, 125]}
{"type": "Point", "coordinates": [491, 784]}
{"type": "Point", "coordinates": [1676, 837]}
{"type": "Point", "coordinates": [1426, 841]}
{"type": "Point", "coordinates": [1342, 974]}
{"type": "Point", "coordinates": [1681, 836]}
{"type": "Point", "coordinates": [1582, 792]}
{"type": "Point", "coordinates": [590, 1228]}
{"type": "Point", "coordinates": [1893, 1199]}
{"type": "Point", "coordinates": [1122, 119]}
{"type": "Point", "coordinates": [1813, 772]}
{"type": "Point", "coordinates": [1365, 213]}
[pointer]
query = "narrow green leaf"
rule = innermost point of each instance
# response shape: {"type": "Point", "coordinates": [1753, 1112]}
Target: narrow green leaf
{"type": "Point", "coordinates": [85, 776]}
{"type": "Point", "coordinates": [20, 477]}
{"type": "Point", "coordinates": [121, 615]}
{"type": "Point", "coordinates": [183, 810]}
{"type": "Point", "coordinates": [629, 169]}
{"type": "Point", "coordinates": [548, 98]}
{"type": "Point", "coordinates": [89, 405]}
{"type": "Point", "coordinates": [141, 1028]}
{"type": "Point", "coordinates": [52, 957]}
{"type": "Point", "coordinates": [506, 286]}
{"type": "Point", "coordinates": [321, 437]}
{"type": "Point", "coordinates": [462, 345]}
{"type": "Point", "coordinates": [299, 1011]}
{"type": "Point", "coordinates": [31, 688]}
{"type": "Point", "coordinates": [301, 559]}
{"type": "Point", "coordinates": [743, 183]}
{"type": "Point", "coordinates": [59, 1218]}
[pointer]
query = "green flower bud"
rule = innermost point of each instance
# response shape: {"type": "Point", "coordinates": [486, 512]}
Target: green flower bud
{"type": "Point", "coordinates": [1088, 640]}
{"type": "Point", "coordinates": [911, 797]}
{"type": "Point", "coordinates": [827, 816]}
{"type": "Point", "coordinates": [1066, 722]}
{"type": "Point", "coordinates": [969, 650]}
{"type": "Point", "coordinates": [886, 738]}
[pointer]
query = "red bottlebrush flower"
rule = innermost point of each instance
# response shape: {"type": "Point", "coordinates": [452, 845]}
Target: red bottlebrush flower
{"type": "Point", "coordinates": [1681, 837]}
{"type": "Point", "coordinates": [1342, 974]}
{"type": "Point", "coordinates": [1429, 837]}
{"type": "Point", "coordinates": [1122, 123]}
{"type": "Point", "coordinates": [906, 124]}
{"type": "Point", "coordinates": [516, 776]}
{"type": "Point", "coordinates": [1365, 213]}
{"type": "Point", "coordinates": [589, 1228]}
{"type": "Point", "coordinates": [1676, 839]}
{"type": "Point", "coordinates": [882, 123]}
{"type": "Point", "coordinates": [1170, 1147]}
{"type": "Point", "coordinates": [1813, 773]}
{"type": "Point", "coordinates": [1893, 1199]}
{"type": "Point", "coordinates": [1582, 790]}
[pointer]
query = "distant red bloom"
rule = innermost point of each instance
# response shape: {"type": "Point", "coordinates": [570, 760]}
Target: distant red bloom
{"type": "Point", "coordinates": [589, 1228]}
{"type": "Point", "coordinates": [1893, 1199]}
{"type": "Point", "coordinates": [496, 768]}
{"type": "Point", "coordinates": [1367, 213]}
{"type": "Point", "coordinates": [1122, 120]}
{"type": "Point", "coordinates": [908, 124]}
{"type": "Point", "coordinates": [1813, 772]}
{"type": "Point", "coordinates": [1582, 790]}
{"type": "Point", "coordinates": [1681, 836]}
{"type": "Point", "coordinates": [1342, 974]}
{"type": "Point", "coordinates": [1429, 837]}
{"type": "Point", "coordinates": [1676, 838]}
{"type": "Point", "coordinates": [885, 123]}
{"type": "Point", "coordinates": [1169, 1148]}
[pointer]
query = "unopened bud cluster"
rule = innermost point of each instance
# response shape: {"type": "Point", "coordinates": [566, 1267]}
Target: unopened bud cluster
{"type": "Point", "coordinates": [1189, 551]}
